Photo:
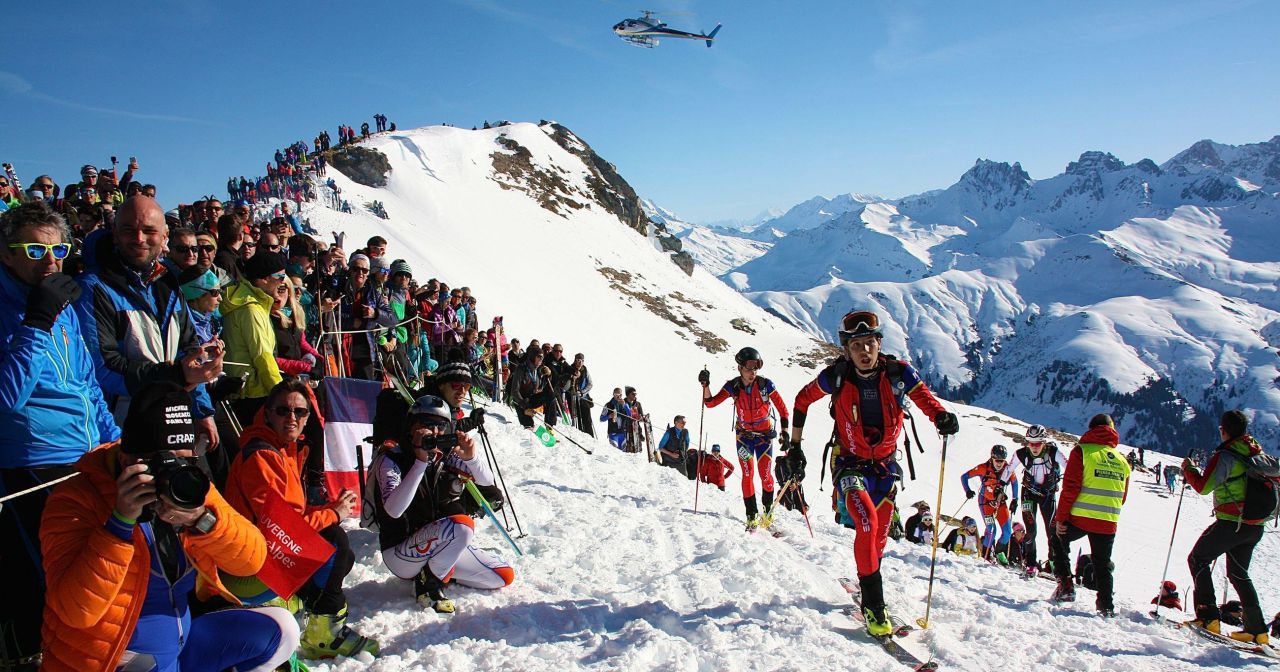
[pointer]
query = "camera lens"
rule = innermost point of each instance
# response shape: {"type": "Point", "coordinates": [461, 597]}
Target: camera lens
{"type": "Point", "coordinates": [188, 486]}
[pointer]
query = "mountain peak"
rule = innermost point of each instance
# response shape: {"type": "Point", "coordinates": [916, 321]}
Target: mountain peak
{"type": "Point", "coordinates": [1094, 162]}
{"type": "Point", "coordinates": [992, 177]}
{"type": "Point", "coordinates": [1203, 154]}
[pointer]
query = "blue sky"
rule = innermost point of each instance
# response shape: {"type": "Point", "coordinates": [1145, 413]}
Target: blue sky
{"type": "Point", "coordinates": [796, 98]}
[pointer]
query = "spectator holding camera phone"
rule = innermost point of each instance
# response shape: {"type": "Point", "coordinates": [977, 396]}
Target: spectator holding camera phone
{"type": "Point", "coordinates": [135, 321]}
{"type": "Point", "coordinates": [50, 405]}
{"type": "Point", "coordinates": [130, 539]}
{"type": "Point", "coordinates": [416, 498]}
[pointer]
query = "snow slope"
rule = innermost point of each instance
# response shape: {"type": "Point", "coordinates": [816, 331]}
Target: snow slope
{"type": "Point", "coordinates": [619, 573]}
{"type": "Point", "coordinates": [714, 249]}
{"type": "Point", "coordinates": [1151, 289]}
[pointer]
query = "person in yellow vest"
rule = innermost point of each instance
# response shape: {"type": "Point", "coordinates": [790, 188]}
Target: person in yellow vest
{"type": "Point", "coordinates": [1094, 488]}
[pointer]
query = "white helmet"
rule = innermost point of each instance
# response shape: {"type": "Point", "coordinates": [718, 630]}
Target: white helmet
{"type": "Point", "coordinates": [1037, 433]}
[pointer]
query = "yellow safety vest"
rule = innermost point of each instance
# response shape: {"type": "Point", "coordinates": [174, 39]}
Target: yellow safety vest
{"type": "Point", "coordinates": [1105, 474]}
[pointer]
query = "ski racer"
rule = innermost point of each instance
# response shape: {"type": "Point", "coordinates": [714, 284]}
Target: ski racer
{"type": "Point", "coordinates": [415, 496]}
{"type": "Point", "coordinates": [1042, 466]}
{"type": "Point", "coordinates": [867, 388]}
{"type": "Point", "coordinates": [1171, 477]}
{"type": "Point", "coordinates": [994, 475]}
{"type": "Point", "coordinates": [752, 396]}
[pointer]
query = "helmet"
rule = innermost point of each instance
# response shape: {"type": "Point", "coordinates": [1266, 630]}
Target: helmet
{"type": "Point", "coordinates": [999, 452]}
{"type": "Point", "coordinates": [715, 447]}
{"type": "Point", "coordinates": [968, 520]}
{"type": "Point", "coordinates": [1037, 433]}
{"type": "Point", "coordinates": [432, 410]}
{"type": "Point", "coordinates": [748, 354]}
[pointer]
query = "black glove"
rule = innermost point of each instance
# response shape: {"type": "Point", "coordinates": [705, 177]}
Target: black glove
{"type": "Point", "coordinates": [47, 299]}
{"type": "Point", "coordinates": [704, 377]}
{"type": "Point", "coordinates": [968, 494]}
{"type": "Point", "coordinates": [796, 462]}
{"type": "Point", "coordinates": [947, 423]}
{"type": "Point", "coordinates": [477, 416]}
{"type": "Point", "coordinates": [1013, 506]}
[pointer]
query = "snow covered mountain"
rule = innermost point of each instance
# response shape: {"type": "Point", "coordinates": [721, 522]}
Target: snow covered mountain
{"type": "Point", "coordinates": [618, 572]}
{"type": "Point", "coordinates": [1147, 290]}
{"type": "Point", "coordinates": [716, 250]}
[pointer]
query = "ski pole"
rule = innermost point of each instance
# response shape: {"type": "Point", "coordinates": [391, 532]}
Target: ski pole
{"type": "Point", "coordinates": [1165, 574]}
{"type": "Point", "coordinates": [475, 494]}
{"type": "Point", "coordinates": [933, 560]}
{"type": "Point", "coordinates": [702, 410]}
{"type": "Point", "coordinates": [488, 448]}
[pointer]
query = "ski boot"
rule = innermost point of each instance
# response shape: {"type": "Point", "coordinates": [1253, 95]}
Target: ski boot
{"type": "Point", "coordinates": [753, 513]}
{"type": "Point", "coordinates": [429, 592]}
{"type": "Point", "coordinates": [1065, 592]}
{"type": "Point", "coordinates": [1107, 613]}
{"type": "Point", "coordinates": [766, 518]}
{"type": "Point", "coordinates": [1207, 624]}
{"type": "Point", "coordinates": [753, 522]}
{"type": "Point", "coordinates": [328, 636]}
{"type": "Point", "coordinates": [1261, 638]}
{"type": "Point", "coordinates": [1030, 572]}
{"type": "Point", "coordinates": [878, 622]}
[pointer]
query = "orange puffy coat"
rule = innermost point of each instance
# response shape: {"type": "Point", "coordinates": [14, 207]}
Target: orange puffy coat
{"type": "Point", "coordinates": [95, 581]}
{"type": "Point", "coordinates": [278, 470]}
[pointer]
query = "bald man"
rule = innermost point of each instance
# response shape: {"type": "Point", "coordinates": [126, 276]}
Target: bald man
{"type": "Point", "coordinates": [134, 320]}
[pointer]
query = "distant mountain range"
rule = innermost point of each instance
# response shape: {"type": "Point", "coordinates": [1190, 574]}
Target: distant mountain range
{"type": "Point", "coordinates": [1146, 290]}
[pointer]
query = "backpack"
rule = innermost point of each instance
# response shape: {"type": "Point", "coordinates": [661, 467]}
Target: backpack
{"type": "Point", "coordinates": [1261, 490]}
{"type": "Point", "coordinates": [1084, 572]}
{"type": "Point", "coordinates": [893, 368]}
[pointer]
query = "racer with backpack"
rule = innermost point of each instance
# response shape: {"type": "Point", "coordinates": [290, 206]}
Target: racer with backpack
{"type": "Point", "coordinates": [752, 396]}
{"type": "Point", "coordinates": [1244, 481]}
{"type": "Point", "coordinates": [867, 390]}
{"type": "Point", "coordinates": [1042, 466]}
{"type": "Point", "coordinates": [993, 475]}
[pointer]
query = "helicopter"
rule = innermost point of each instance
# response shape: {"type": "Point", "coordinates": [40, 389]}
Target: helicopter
{"type": "Point", "coordinates": [645, 31]}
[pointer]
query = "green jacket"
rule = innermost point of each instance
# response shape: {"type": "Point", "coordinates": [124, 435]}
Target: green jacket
{"type": "Point", "coordinates": [246, 328]}
{"type": "Point", "coordinates": [1224, 476]}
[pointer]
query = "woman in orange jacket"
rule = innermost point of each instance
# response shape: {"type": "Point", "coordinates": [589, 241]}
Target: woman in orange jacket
{"type": "Point", "coordinates": [121, 555]}
{"type": "Point", "coordinates": [270, 464]}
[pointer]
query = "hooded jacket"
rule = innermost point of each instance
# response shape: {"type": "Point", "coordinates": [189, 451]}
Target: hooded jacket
{"type": "Point", "coordinates": [1073, 479]}
{"type": "Point", "coordinates": [96, 581]}
{"type": "Point", "coordinates": [246, 328]}
{"type": "Point", "coordinates": [51, 406]}
{"type": "Point", "coordinates": [268, 463]}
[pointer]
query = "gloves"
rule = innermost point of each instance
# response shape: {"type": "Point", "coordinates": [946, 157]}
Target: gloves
{"type": "Point", "coordinates": [968, 494]}
{"type": "Point", "coordinates": [947, 423]}
{"type": "Point", "coordinates": [544, 370]}
{"type": "Point", "coordinates": [47, 299]}
{"type": "Point", "coordinates": [796, 461]}
{"type": "Point", "coordinates": [477, 416]}
{"type": "Point", "coordinates": [310, 359]}
{"type": "Point", "coordinates": [704, 377]}
{"type": "Point", "coordinates": [1013, 506]}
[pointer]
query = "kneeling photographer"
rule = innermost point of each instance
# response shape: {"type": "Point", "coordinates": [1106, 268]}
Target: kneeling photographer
{"type": "Point", "coordinates": [416, 498]}
{"type": "Point", "coordinates": [132, 537]}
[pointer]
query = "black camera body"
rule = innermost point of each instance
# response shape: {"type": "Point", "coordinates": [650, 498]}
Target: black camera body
{"type": "Point", "coordinates": [445, 442]}
{"type": "Point", "coordinates": [179, 478]}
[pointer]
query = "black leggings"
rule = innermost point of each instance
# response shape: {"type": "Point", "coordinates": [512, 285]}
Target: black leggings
{"type": "Point", "coordinates": [1029, 507]}
{"type": "Point", "coordinates": [1236, 541]}
{"type": "Point", "coordinates": [1099, 547]}
{"type": "Point", "coordinates": [328, 599]}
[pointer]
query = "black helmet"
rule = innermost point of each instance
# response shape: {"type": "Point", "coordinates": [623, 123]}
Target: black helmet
{"type": "Point", "coordinates": [999, 452]}
{"type": "Point", "coordinates": [748, 354]}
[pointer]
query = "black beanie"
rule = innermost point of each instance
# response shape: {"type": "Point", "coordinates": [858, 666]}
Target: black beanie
{"type": "Point", "coordinates": [1234, 423]}
{"type": "Point", "coordinates": [454, 372]}
{"type": "Point", "coordinates": [263, 264]}
{"type": "Point", "coordinates": [159, 418]}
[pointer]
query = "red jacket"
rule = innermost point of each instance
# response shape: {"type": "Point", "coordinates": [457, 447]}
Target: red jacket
{"type": "Point", "coordinates": [714, 469]}
{"type": "Point", "coordinates": [1074, 477]}
{"type": "Point", "coordinates": [751, 403]}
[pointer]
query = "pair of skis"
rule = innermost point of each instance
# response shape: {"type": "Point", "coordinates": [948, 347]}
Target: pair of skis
{"type": "Point", "coordinates": [888, 642]}
{"type": "Point", "coordinates": [1247, 647]}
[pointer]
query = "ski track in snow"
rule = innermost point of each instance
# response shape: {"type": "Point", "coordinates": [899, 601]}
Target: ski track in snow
{"type": "Point", "coordinates": [619, 573]}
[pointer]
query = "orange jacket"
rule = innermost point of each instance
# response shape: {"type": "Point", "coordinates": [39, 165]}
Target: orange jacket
{"type": "Point", "coordinates": [277, 470]}
{"type": "Point", "coordinates": [95, 581]}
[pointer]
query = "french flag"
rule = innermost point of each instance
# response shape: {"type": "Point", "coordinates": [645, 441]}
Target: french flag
{"type": "Point", "coordinates": [349, 408]}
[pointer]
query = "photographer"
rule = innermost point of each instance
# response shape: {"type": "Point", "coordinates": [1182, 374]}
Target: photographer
{"type": "Point", "coordinates": [51, 407]}
{"type": "Point", "coordinates": [270, 465]}
{"type": "Point", "coordinates": [127, 541]}
{"type": "Point", "coordinates": [416, 497]}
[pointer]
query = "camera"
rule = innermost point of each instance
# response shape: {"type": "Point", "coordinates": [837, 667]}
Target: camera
{"type": "Point", "coordinates": [113, 161]}
{"type": "Point", "coordinates": [179, 478]}
{"type": "Point", "coordinates": [443, 442]}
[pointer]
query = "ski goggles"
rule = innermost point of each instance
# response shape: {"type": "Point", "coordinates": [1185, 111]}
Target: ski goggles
{"type": "Point", "coordinates": [37, 251]}
{"type": "Point", "coordinates": [859, 323]}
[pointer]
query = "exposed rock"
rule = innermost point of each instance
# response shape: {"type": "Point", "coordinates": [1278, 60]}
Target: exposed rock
{"type": "Point", "coordinates": [363, 165]}
{"type": "Point", "coordinates": [607, 186]}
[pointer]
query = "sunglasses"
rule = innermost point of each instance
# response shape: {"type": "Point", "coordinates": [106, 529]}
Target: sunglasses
{"type": "Point", "coordinates": [247, 244]}
{"type": "Point", "coordinates": [36, 251]}
{"type": "Point", "coordinates": [279, 276]}
{"type": "Point", "coordinates": [44, 186]}
{"type": "Point", "coordinates": [273, 248]}
{"type": "Point", "coordinates": [752, 365]}
{"type": "Point", "coordinates": [297, 413]}
{"type": "Point", "coordinates": [216, 291]}
{"type": "Point", "coordinates": [360, 270]}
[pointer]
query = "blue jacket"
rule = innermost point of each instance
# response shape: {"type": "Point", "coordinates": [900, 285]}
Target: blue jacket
{"type": "Point", "coordinates": [680, 436]}
{"type": "Point", "coordinates": [136, 331]}
{"type": "Point", "coordinates": [51, 407]}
